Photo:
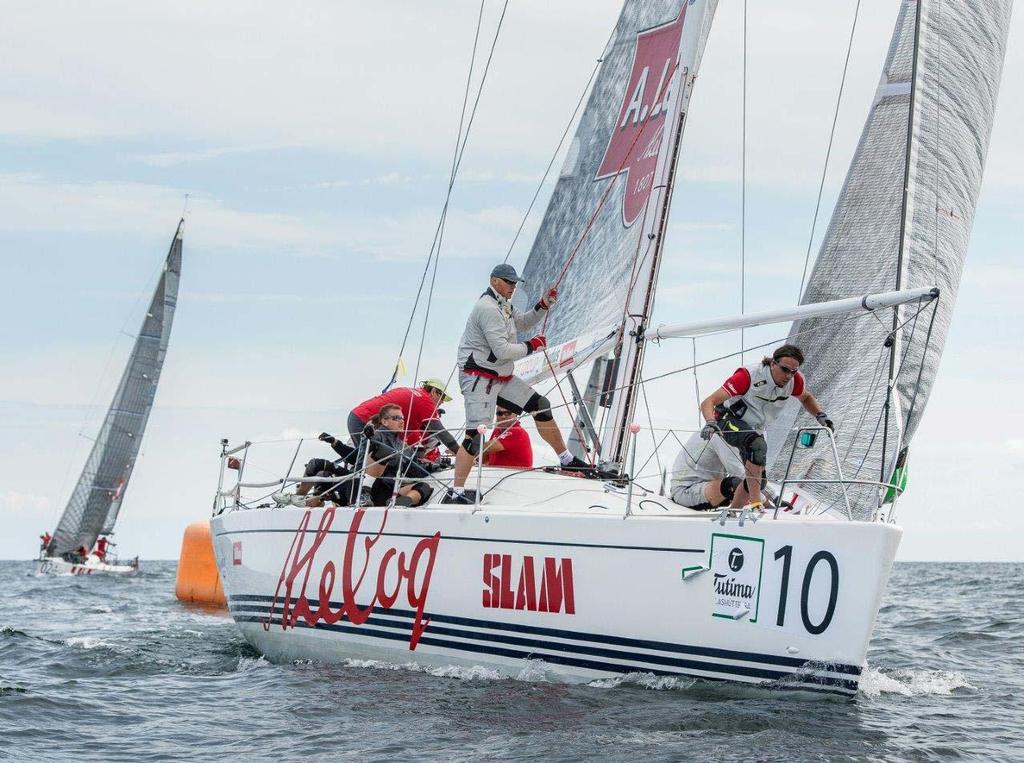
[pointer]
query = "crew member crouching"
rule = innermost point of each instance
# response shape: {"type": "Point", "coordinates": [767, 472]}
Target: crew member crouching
{"type": "Point", "coordinates": [705, 475]}
{"type": "Point", "coordinates": [741, 409]}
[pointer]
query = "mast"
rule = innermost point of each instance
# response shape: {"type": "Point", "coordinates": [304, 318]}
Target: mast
{"type": "Point", "coordinates": [891, 340]}
{"type": "Point", "coordinates": [634, 343]}
{"type": "Point", "coordinates": [640, 302]}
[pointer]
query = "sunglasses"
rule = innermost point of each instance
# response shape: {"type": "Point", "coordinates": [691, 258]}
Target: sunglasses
{"type": "Point", "coordinates": [786, 369]}
{"type": "Point", "coordinates": [510, 283]}
{"type": "Point", "coordinates": [502, 414]}
{"type": "Point", "coordinates": [394, 418]}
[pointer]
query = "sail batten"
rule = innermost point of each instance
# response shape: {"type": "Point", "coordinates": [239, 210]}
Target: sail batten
{"type": "Point", "coordinates": [95, 502]}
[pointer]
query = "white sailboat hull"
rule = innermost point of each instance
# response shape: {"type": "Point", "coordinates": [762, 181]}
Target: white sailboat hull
{"type": "Point", "coordinates": [54, 565]}
{"type": "Point", "coordinates": [789, 602]}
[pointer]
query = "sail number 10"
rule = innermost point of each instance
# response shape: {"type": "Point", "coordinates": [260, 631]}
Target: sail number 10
{"type": "Point", "coordinates": [786, 555]}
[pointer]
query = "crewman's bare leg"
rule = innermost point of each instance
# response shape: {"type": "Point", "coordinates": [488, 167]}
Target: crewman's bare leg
{"type": "Point", "coordinates": [749, 490]}
{"type": "Point", "coordinates": [713, 493]}
{"type": "Point", "coordinates": [551, 434]}
{"type": "Point", "coordinates": [463, 465]}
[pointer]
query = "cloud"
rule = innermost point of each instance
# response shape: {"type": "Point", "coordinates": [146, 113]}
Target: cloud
{"type": "Point", "coordinates": [30, 202]}
{"type": "Point", "coordinates": [12, 502]}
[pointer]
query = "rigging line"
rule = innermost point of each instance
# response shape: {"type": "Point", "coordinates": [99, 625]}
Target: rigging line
{"type": "Point", "coordinates": [451, 182]}
{"type": "Point", "coordinates": [696, 382]}
{"type": "Point", "coordinates": [743, 192]}
{"type": "Point", "coordinates": [568, 126]}
{"type": "Point", "coordinates": [637, 262]}
{"type": "Point", "coordinates": [938, 124]}
{"type": "Point", "coordinates": [904, 209]}
{"type": "Point", "coordinates": [920, 368]}
{"type": "Point", "coordinates": [828, 152]}
{"type": "Point", "coordinates": [455, 169]}
{"type": "Point", "coordinates": [615, 178]}
{"type": "Point", "coordinates": [650, 426]}
{"type": "Point", "coordinates": [883, 419]}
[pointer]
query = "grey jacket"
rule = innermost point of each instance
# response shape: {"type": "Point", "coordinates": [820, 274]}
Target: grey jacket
{"type": "Point", "coordinates": [488, 346]}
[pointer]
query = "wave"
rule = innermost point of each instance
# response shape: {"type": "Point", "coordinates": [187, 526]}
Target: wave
{"type": "Point", "coordinates": [88, 642]}
{"type": "Point", "coordinates": [911, 683]}
{"type": "Point", "coordinates": [246, 664]}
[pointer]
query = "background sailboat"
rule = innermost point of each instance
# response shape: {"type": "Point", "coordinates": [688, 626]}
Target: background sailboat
{"type": "Point", "coordinates": [95, 502]}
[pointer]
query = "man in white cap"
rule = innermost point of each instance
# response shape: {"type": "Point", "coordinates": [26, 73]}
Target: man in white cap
{"type": "Point", "coordinates": [487, 352]}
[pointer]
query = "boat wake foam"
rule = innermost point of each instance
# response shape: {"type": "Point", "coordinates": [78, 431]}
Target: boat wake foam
{"type": "Point", "coordinates": [912, 683]}
{"type": "Point", "coordinates": [644, 681]}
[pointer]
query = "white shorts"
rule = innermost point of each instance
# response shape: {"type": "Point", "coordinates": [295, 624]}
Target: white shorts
{"type": "Point", "coordinates": [691, 494]}
{"type": "Point", "coordinates": [482, 394]}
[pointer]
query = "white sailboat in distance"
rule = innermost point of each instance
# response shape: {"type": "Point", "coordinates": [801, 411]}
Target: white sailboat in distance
{"type": "Point", "coordinates": [80, 545]}
{"type": "Point", "coordinates": [592, 578]}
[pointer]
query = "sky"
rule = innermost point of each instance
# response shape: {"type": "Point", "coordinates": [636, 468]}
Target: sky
{"type": "Point", "coordinates": [314, 142]}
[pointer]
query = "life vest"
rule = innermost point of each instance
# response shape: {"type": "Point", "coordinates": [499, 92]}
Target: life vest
{"type": "Point", "coordinates": [764, 399]}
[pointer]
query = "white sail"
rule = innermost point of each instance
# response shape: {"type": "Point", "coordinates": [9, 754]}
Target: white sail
{"type": "Point", "coordinates": [947, 91]}
{"type": "Point", "coordinates": [601, 237]}
{"type": "Point", "coordinates": [96, 500]}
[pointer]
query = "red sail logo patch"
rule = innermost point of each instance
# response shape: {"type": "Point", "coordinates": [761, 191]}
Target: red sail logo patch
{"type": "Point", "coordinates": [637, 138]}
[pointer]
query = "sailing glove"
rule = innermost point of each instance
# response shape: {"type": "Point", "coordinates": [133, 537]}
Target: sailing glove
{"type": "Point", "coordinates": [328, 438]}
{"type": "Point", "coordinates": [548, 300]}
{"type": "Point", "coordinates": [539, 341]}
{"type": "Point", "coordinates": [825, 421]}
{"type": "Point", "coordinates": [709, 430]}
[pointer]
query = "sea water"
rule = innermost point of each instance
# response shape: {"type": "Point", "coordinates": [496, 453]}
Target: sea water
{"type": "Point", "coordinates": [116, 668]}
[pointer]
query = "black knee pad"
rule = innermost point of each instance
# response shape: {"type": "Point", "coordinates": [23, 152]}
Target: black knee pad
{"type": "Point", "coordinates": [729, 485]}
{"type": "Point", "coordinates": [757, 448]}
{"type": "Point", "coordinates": [473, 443]}
{"type": "Point", "coordinates": [424, 490]}
{"type": "Point", "coordinates": [540, 407]}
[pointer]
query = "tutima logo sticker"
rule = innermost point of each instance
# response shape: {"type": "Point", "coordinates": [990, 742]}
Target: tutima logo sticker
{"type": "Point", "coordinates": [638, 135]}
{"type": "Point", "coordinates": [736, 575]}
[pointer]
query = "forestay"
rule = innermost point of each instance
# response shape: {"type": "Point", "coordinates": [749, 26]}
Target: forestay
{"type": "Point", "coordinates": [950, 87]}
{"type": "Point", "coordinates": [93, 507]}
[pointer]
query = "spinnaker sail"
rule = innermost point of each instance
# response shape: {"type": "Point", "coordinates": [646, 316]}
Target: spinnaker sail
{"type": "Point", "coordinates": [902, 221]}
{"type": "Point", "coordinates": [96, 500]}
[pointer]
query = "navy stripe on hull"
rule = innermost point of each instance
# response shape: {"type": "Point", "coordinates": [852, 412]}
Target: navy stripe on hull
{"type": "Point", "coordinates": [566, 654]}
{"type": "Point", "coordinates": [234, 603]}
{"type": "Point", "coordinates": [796, 681]}
{"type": "Point", "coordinates": [478, 540]}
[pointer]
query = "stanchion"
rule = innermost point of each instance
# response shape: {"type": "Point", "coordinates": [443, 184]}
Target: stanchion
{"type": "Point", "coordinates": [634, 429]}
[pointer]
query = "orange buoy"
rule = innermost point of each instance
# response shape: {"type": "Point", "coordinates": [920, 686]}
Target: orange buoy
{"type": "Point", "coordinates": [198, 580]}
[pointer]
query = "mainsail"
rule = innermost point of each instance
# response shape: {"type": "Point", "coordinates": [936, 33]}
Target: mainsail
{"type": "Point", "coordinates": [902, 220]}
{"type": "Point", "coordinates": [601, 235]}
{"type": "Point", "coordinates": [93, 507]}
